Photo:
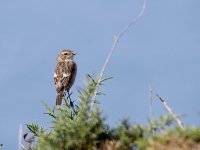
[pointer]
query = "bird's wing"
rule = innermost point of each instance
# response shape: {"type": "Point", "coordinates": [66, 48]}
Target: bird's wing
{"type": "Point", "coordinates": [64, 75]}
{"type": "Point", "coordinates": [70, 73]}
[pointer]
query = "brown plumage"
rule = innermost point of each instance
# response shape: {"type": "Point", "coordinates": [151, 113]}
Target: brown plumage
{"type": "Point", "coordinates": [64, 74]}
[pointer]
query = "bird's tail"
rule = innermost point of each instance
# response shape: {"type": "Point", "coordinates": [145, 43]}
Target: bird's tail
{"type": "Point", "coordinates": [59, 98]}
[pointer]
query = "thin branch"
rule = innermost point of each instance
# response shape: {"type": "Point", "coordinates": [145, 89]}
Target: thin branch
{"type": "Point", "coordinates": [116, 40]}
{"type": "Point", "coordinates": [23, 147]}
{"type": "Point", "coordinates": [20, 137]}
{"type": "Point", "coordinates": [150, 103]}
{"type": "Point", "coordinates": [176, 118]}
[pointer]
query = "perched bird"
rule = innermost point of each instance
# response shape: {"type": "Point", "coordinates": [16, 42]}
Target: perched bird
{"type": "Point", "coordinates": [65, 73]}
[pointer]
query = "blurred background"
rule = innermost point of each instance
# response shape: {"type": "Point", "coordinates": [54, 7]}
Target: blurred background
{"type": "Point", "coordinates": [162, 49]}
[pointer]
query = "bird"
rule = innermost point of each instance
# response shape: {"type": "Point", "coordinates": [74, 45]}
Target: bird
{"type": "Point", "coordinates": [64, 73]}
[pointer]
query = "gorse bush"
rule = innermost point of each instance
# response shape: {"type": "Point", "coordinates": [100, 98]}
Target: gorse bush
{"type": "Point", "coordinates": [73, 127]}
{"type": "Point", "coordinates": [170, 139]}
{"type": "Point", "coordinates": [76, 127]}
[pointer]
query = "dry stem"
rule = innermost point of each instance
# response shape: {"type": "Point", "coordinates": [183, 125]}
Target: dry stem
{"type": "Point", "coordinates": [116, 40]}
{"type": "Point", "coordinates": [178, 121]}
{"type": "Point", "coordinates": [150, 103]}
{"type": "Point", "coordinates": [20, 137]}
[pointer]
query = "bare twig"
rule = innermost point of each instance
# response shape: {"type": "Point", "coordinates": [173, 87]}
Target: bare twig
{"type": "Point", "coordinates": [176, 118]}
{"type": "Point", "coordinates": [150, 108]}
{"type": "Point", "coordinates": [116, 40]}
{"type": "Point", "coordinates": [24, 147]}
{"type": "Point", "coordinates": [20, 137]}
{"type": "Point", "coordinates": [150, 103]}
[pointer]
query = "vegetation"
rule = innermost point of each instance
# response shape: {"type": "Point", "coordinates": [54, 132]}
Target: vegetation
{"type": "Point", "coordinates": [76, 127]}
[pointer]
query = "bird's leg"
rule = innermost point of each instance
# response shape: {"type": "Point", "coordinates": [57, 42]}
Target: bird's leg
{"type": "Point", "coordinates": [64, 94]}
{"type": "Point", "coordinates": [65, 98]}
{"type": "Point", "coordinates": [71, 102]}
{"type": "Point", "coordinates": [68, 95]}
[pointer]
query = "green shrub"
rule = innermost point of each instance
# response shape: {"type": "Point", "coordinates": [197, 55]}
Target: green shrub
{"type": "Point", "coordinates": [76, 127]}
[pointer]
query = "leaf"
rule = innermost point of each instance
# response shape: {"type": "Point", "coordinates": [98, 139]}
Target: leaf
{"type": "Point", "coordinates": [91, 79]}
{"type": "Point", "coordinates": [100, 93]}
{"type": "Point", "coordinates": [106, 79]}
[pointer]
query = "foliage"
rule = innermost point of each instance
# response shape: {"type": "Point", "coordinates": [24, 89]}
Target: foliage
{"type": "Point", "coordinates": [171, 138]}
{"type": "Point", "coordinates": [76, 127]}
{"type": "Point", "coordinates": [126, 134]}
{"type": "Point", "coordinates": [73, 128]}
{"type": "Point", "coordinates": [175, 138]}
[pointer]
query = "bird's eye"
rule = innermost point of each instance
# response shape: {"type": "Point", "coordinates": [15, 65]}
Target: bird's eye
{"type": "Point", "coordinates": [65, 53]}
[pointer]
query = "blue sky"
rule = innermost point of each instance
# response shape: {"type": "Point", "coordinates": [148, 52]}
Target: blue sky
{"type": "Point", "coordinates": [163, 49]}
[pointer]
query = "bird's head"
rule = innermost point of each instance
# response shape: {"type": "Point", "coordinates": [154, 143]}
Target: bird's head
{"type": "Point", "coordinates": [67, 54]}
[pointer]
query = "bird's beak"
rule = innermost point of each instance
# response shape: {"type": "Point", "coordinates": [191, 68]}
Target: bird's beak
{"type": "Point", "coordinates": [74, 53]}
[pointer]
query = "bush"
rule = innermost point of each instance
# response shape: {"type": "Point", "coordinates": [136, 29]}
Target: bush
{"type": "Point", "coordinates": [76, 127]}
